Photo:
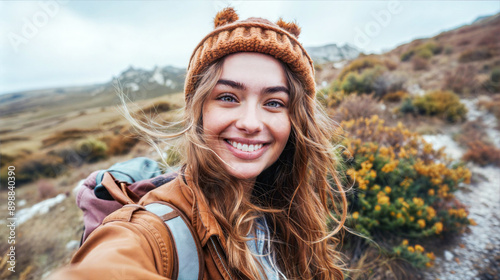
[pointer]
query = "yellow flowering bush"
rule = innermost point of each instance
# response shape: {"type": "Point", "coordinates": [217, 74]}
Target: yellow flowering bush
{"type": "Point", "coordinates": [402, 186]}
{"type": "Point", "coordinates": [445, 104]}
{"type": "Point", "coordinates": [414, 254]}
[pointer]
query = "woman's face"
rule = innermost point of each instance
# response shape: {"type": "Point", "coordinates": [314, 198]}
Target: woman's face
{"type": "Point", "coordinates": [245, 117]}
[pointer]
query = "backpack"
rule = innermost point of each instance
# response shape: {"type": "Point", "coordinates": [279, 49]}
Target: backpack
{"type": "Point", "coordinates": [122, 185]}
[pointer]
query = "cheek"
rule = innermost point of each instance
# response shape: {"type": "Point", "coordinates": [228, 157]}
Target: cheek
{"type": "Point", "coordinates": [282, 129]}
{"type": "Point", "coordinates": [214, 120]}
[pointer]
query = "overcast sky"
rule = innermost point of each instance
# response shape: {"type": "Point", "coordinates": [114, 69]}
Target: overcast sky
{"type": "Point", "coordinates": [64, 43]}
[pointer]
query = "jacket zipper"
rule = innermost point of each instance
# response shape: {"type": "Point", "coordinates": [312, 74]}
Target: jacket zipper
{"type": "Point", "coordinates": [220, 258]}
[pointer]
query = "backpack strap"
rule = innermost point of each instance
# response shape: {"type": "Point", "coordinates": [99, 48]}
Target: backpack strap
{"type": "Point", "coordinates": [185, 243]}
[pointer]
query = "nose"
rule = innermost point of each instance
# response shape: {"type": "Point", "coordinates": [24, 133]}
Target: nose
{"type": "Point", "coordinates": [249, 120]}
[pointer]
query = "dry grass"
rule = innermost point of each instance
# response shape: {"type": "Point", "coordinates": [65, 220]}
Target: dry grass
{"type": "Point", "coordinates": [462, 79]}
{"type": "Point", "coordinates": [482, 153]}
{"type": "Point", "coordinates": [357, 106]}
{"type": "Point", "coordinates": [65, 135]}
{"type": "Point", "coordinates": [491, 104]}
{"type": "Point", "coordinates": [369, 263]}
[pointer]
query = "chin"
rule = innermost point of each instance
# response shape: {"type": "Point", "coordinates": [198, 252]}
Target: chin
{"type": "Point", "coordinates": [244, 173]}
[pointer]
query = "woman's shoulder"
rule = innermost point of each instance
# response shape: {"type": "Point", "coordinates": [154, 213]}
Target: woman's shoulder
{"type": "Point", "coordinates": [173, 192]}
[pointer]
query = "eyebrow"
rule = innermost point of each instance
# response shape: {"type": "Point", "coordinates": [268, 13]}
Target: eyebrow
{"type": "Point", "coordinates": [240, 86]}
{"type": "Point", "coordinates": [233, 84]}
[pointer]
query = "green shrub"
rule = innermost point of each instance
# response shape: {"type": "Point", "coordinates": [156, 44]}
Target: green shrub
{"type": "Point", "coordinates": [402, 187]}
{"type": "Point", "coordinates": [39, 166]}
{"type": "Point", "coordinates": [91, 150]}
{"type": "Point", "coordinates": [358, 65]}
{"type": "Point", "coordinates": [493, 83]}
{"type": "Point", "coordinates": [445, 104]}
{"type": "Point", "coordinates": [407, 106]}
{"type": "Point", "coordinates": [407, 55]}
{"type": "Point", "coordinates": [424, 51]}
{"type": "Point", "coordinates": [362, 82]}
{"type": "Point", "coordinates": [331, 96]}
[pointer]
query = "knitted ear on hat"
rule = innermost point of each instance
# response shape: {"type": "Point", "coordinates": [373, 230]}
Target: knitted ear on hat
{"type": "Point", "coordinates": [226, 16]}
{"type": "Point", "coordinates": [291, 27]}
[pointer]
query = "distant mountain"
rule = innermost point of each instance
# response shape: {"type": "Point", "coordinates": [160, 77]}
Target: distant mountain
{"type": "Point", "coordinates": [136, 83]}
{"type": "Point", "coordinates": [169, 79]}
{"type": "Point", "coordinates": [332, 53]}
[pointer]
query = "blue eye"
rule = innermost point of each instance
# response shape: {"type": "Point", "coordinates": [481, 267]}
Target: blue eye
{"type": "Point", "coordinates": [227, 98]}
{"type": "Point", "coordinates": [275, 104]}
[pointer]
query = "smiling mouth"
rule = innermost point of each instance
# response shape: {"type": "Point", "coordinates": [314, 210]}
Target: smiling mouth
{"type": "Point", "coordinates": [245, 147]}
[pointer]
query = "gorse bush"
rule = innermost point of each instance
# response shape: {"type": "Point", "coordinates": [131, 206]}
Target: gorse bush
{"type": "Point", "coordinates": [402, 187]}
{"type": "Point", "coordinates": [444, 104]}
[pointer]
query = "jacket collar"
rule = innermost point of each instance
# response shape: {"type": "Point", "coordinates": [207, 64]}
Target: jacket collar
{"type": "Point", "coordinates": [187, 197]}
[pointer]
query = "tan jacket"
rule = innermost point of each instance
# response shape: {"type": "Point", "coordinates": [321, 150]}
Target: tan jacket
{"type": "Point", "coordinates": [125, 246]}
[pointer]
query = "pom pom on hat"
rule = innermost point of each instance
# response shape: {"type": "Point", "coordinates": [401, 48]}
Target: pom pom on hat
{"type": "Point", "coordinates": [226, 16]}
{"type": "Point", "coordinates": [291, 27]}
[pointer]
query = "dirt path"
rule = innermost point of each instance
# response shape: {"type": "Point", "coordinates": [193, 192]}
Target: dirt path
{"type": "Point", "coordinates": [477, 254]}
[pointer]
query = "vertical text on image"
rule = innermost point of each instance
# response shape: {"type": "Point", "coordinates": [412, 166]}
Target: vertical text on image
{"type": "Point", "coordinates": [11, 217]}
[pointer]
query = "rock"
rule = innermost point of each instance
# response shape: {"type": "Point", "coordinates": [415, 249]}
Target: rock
{"type": "Point", "coordinates": [72, 245]}
{"type": "Point", "coordinates": [448, 256]}
{"type": "Point", "coordinates": [21, 203]}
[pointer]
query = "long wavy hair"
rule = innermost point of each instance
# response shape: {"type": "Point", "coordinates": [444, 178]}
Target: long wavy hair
{"type": "Point", "coordinates": [297, 195]}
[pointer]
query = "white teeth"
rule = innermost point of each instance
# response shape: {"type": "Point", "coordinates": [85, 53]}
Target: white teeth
{"type": "Point", "coordinates": [246, 147]}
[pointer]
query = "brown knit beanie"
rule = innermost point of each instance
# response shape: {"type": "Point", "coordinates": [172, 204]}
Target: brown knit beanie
{"type": "Point", "coordinates": [231, 35]}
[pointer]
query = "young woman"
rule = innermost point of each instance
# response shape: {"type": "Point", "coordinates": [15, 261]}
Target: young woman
{"type": "Point", "coordinates": [257, 164]}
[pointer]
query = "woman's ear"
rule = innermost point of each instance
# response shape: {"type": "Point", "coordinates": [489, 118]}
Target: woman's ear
{"type": "Point", "coordinates": [226, 16]}
{"type": "Point", "coordinates": [291, 27]}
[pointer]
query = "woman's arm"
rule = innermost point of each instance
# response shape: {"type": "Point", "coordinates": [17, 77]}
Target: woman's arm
{"type": "Point", "coordinates": [122, 250]}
